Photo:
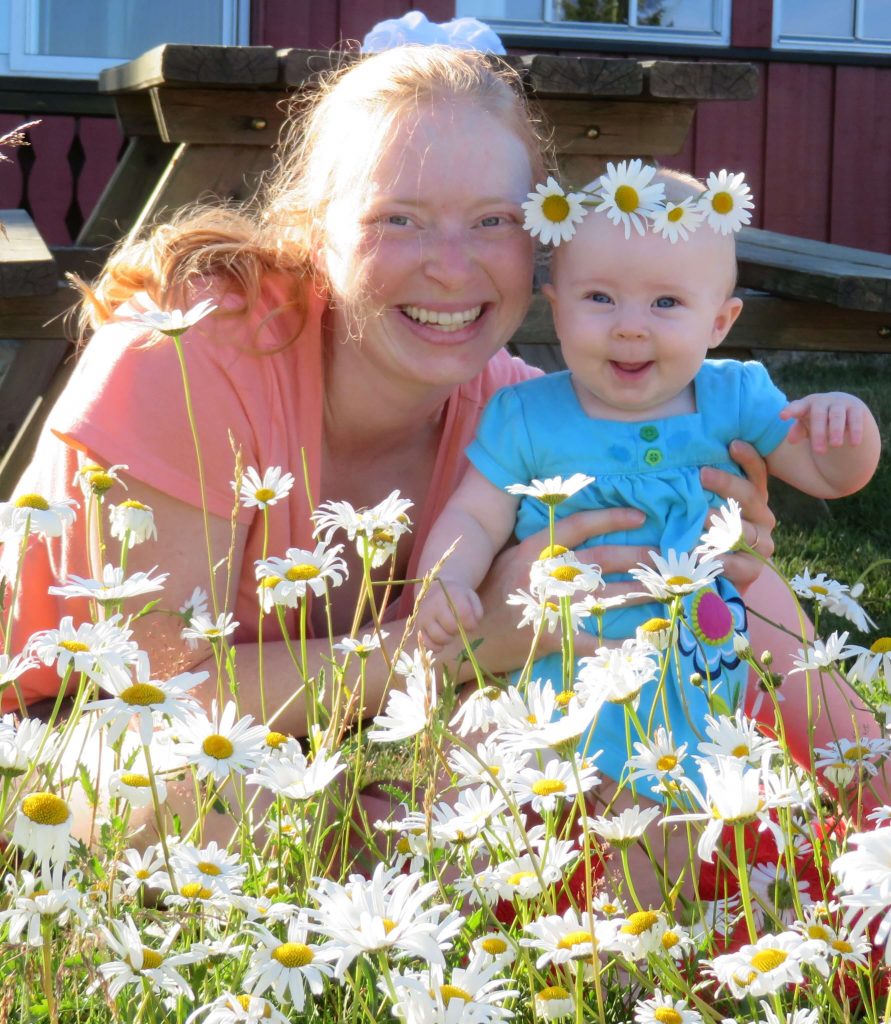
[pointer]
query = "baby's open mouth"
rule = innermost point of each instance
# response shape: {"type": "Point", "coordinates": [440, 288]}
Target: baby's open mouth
{"type": "Point", "coordinates": [632, 367]}
{"type": "Point", "coordinates": [445, 322]}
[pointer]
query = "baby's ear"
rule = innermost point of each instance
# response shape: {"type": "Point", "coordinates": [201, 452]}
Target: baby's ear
{"type": "Point", "coordinates": [548, 291]}
{"type": "Point", "coordinates": [725, 319]}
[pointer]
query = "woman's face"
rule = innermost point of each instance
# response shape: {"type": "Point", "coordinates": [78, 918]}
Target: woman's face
{"type": "Point", "coordinates": [438, 242]}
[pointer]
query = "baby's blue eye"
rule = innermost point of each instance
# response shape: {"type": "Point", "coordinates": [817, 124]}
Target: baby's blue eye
{"type": "Point", "coordinates": [599, 297]}
{"type": "Point", "coordinates": [666, 302]}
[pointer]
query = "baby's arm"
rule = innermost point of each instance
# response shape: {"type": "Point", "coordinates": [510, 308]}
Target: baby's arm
{"type": "Point", "coordinates": [843, 451]}
{"type": "Point", "coordinates": [480, 517]}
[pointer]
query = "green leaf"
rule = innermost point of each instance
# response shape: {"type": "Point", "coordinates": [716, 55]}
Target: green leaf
{"type": "Point", "coordinates": [145, 611]}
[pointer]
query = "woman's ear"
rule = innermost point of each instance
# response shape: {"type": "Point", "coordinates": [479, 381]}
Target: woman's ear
{"type": "Point", "coordinates": [725, 319]}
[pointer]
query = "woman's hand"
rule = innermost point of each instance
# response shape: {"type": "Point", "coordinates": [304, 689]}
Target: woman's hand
{"type": "Point", "coordinates": [758, 521]}
{"type": "Point", "coordinates": [505, 647]}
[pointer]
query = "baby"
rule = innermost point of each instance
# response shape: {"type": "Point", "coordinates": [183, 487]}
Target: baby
{"type": "Point", "coordinates": [641, 410]}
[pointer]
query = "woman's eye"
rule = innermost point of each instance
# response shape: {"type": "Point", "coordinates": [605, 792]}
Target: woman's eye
{"type": "Point", "coordinates": [399, 220]}
{"type": "Point", "coordinates": [492, 222]}
{"type": "Point", "coordinates": [666, 302]}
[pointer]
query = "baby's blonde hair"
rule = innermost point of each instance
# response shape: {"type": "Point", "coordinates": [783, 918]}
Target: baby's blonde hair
{"type": "Point", "coordinates": [320, 157]}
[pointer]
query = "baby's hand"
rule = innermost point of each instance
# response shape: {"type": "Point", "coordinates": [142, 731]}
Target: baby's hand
{"type": "Point", "coordinates": [829, 420]}
{"type": "Point", "coordinates": [436, 619]}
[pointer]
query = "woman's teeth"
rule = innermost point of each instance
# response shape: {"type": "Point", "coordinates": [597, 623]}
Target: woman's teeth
{"type": "Point", "coordinates": [446, 322]}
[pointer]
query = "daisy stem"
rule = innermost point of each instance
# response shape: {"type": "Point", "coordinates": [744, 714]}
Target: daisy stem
{"type": "Point", "coordinates": [743, 878]}
{"type": "Point", "coordinates": [162, 831]}
{"type": "Point", "coordinates": [187, 394]}
{"type": "Point", "coordinates": [626, 867]}
{"type": "Point", "coordinates": [310, 698]}
{"type": "Point", "coordinates": [567, 643]}
{"type": "Point", "coordinates": [46, 926]}
{"type": "Point", "coordinates": [7, 636]}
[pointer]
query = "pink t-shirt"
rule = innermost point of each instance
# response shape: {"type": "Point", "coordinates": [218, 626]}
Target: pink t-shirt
{"type": "Point", "coordinates": [254, 375]}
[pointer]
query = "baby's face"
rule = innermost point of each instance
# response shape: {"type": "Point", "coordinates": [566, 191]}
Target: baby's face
{"type": "Point", "coordinates": [635, 317]}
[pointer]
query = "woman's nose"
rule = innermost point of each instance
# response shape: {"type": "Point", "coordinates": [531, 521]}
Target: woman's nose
{"type": "Point", "coordinates": [447, 258]}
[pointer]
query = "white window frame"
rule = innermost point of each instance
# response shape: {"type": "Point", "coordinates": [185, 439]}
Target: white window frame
{"type": "Point", "coordinates": [568, 30]}
{"type": "Point", "coordinates": [830, 44]}
{"type": "Point", "coordinates": [236, 30]}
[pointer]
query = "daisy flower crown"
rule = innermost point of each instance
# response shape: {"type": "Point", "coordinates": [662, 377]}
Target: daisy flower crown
{"type": "Point", "coordinates": [628, 196]}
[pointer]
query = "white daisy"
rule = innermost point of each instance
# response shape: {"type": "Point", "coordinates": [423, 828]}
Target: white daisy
{"type": "Point", "coordinates": [627, 197]}
{"type": "Point", "coordinates": [739, 737]}
{"type": "Point", "coordinates": [195, 604]}
{"type": "Point", "coordinates": [639, 934]}
{"type": "Point", "coordinates": [94, 479]}
{"type": "Point", "coordinates": [553, 490]}
{"type": "Point", "coordinates": [363, 647]}
{"type": "Point", "coordinates": [661, 1008]}
{"type": "Point", "coordinates": [616, 674]}
{"type": "Point", "coordinates": [142, 868]}
{"type": "Point", "coordinates": [243, 1008]}
{"type": "Point", "coordinates": [375, 530]}
{"type": "Point", "coordinates": [549, 786]}
{"type": "Point", "coordinates": [171, 322]}
{"type": "Point", "coordinates": [540, 721]}
{"type": "Point", "coordinates": [202, 627]}
{"type": "Point", "coordinates": [626, 827]}
{"type": "Point", "coordinates": [285, 581]}
{"type": "Point", "coordinates": [139, 963]}
{"type": "Point", "coordinates": [801, 1016]}
{"type": "Point", "coordinates": [12, 668]}
{"type": "Point", "coordinates": [93, 648]}
{"type": "Point", "coordinates": [873, 662]}
{"type": "Point", "coordinates": [552, 214]}
{"type": "Point", "coordinates": [677, 220]}
{"type": "Point", "coordinates": [725, 532]}
{"type": "Point", "coordinates": [34, 901]}
{"type": "Point", "coordinates": [133, 521]}
{"type": "Point", "coordinates": [220, 745]}
{"type": "Point", "coordinates": [561, 938]}
{"type": "Point", "coordinates": [537, 610]}
{"type": "Point", "coordinates": [476, 712]}
{"type": "Point", "coordinates": [778, 894]}
{"type": "Point", "coordinates": [21, 741]}
{"type": "Point", "coordinates": [726, 202]}
{"type": "Point", "coordinates": [211, 866]}
{"type": "Point", "coordinates": [496, 948]}
{"type": "Point", "coordinates": [525, 877]}
{"type": "Point", "coordinates": [675, 574]}
{"type": "Point", "coordinates": [844, 761]}
{"type": "Point", "coordinates": [257, 492]}
{"type": "Point", "coordinates": [554, 1002]}
{"type": "Point", "coordinates": [822, 655]}
{"type": "Point", "coordinates": [763, 967]}
{"type": "Point", "coordinates": [658, 758]}
{"type": "Point", "coordinates": [43, 827]}
{"type": "Point", "coordinates": [135, 787]}
{"type": "Point", "coordinates": [489, 763]}
{"type": "Point", "coordinates": [289, 774]}
{"type": "Point", "coordinates": [113, 586]}
{"type": "Point", "coordinates": [145, 701]}
{"type": "Point", "coordinates": [563, 576]}
{"type": "Point", "coordinates": [407, 712]}
{"type": "Point", "coordinates": [36, 514]}
{"type": "Point", "coordinates": [384, 912]}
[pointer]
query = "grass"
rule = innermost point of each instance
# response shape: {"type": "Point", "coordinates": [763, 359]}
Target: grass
{"type": "Point", "coordinates": [852, 536]}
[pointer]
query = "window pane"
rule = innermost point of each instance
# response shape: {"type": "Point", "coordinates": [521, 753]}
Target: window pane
{"type": "Point", "coordinates": [500, 10]}
{"type": "Point", "coordinates": [608, 12]}
{"type": "Point", "coordinates": [876, 17]}
{"type": "Point", "coordinates": [817, 18]}
{"type": "Point", "coordinates": [125, 28]}
{"type": "Point", "coordinates": [688, 15]}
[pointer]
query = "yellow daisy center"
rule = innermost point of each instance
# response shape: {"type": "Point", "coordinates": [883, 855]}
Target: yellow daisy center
{"type": "Point", "coordinates": [381, 538]}
{"type": "Point", "coordinates": [552, 992]}
{"type": "Point", "coordinates": [566, 573]}
{"type": "Point", "coordinates": [151, 959]}
{"type": "Point", "coordinates": [449, 992]}
{"type": "Point", "coordinates": [855, 753]}
{"type": "Point", "coordinates": [142, 874]}
{"type": "Point", "coordinates": [35, 501]}
{"type": "Point", "coordinates": [142, 695]}
{"type": "Point", "coordinates": [270, 582]}
{"type": "Point", "coordinates": [609, 909]}
{"type": "Point", "coordinates": [722, 202]}
{"type": "Point", "coordinates": [578, 938]}
{"type": "Point", "coordinates": [264, 494]}
{"type": "Point", "coordinates": [627, 198]}
{"type": "Point", "coordinates": [639, 922]}
{"type": "Point", "coordinates": [840, 946]}
{"type": "Point", "coordinates": [492, 692]}
{"type": "Point", "coordinates": [293, 954]}
{"type": "Point", "coordinates": [741, 750]}
{"type": "Point", "coordinates": [552, 551]}
{"type": "Point", "coordinates": [100, 481]}
{"type": "Point", "coordinates": [553, 499]}
{"type": "Point", "coordinates": [207, 867]}
{"type": "Point", "coordinates": [666, 762]}
{"type": "Point", "coordinates": [817, 589]}
{"type": "Point", "coordinates": [817, 931]}
{"type": "Point", "coordinates": [217, 746]}
{"type": "Point", "coordinates": [675, 214]}
{"type": "Point", "coordinates": [244, 1001]}
{"type": "Point", "coordinates": [881, 646]}
{"type": "Point", "coordinates": [195, 891]}
{"type": "Point", "coordinates": [532, 719]}
{"type": "Point", "coordinates": [678, 581]}
{"type": "Point", "coordinates": [75, 646]}
{"type": "Point", "coordinates": [494, 946]}
{"type": "Point", "coordinates": [132, 503]}
{"type": "Point", "coordinates": [305, 571]}
{"type": "Point", "coordinates": [135, 779]}
{"type": "Point", "coordinates": [275, 739]}
{"type": "Point", "coordinates": [769, 959]}
{"type": "Point", "coordinates": [547, 787]}
{"type": "Point", "coordinates": [655, 625]}
{"type": "Point", "coordinates": [45, 809]}
{"type": "Point", "coordinates": [520, 876]}
{"type": "Point", "coordinates": [670, 940]}
{"type": "Point", "coordinates": [403, 846]}
{"type": "Point", "coordinates": [666, 1015]}
{"type": "Point", "coordinates": [563, 698]}
{"type": "Point", "coordinates": [389, 924]}
{"type": "Point", "coordinates": [555, 209]}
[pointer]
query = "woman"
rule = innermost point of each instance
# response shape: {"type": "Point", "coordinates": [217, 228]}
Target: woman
{"type": "Point", "coordinates": [379, 277]}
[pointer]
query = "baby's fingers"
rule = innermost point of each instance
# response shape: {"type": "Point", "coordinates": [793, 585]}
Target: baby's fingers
{"type": "Point", "coordinates": [838, 420]}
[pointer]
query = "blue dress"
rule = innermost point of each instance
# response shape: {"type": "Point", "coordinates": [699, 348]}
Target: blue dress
{"type": "Point", "coordinates": [538, 429]}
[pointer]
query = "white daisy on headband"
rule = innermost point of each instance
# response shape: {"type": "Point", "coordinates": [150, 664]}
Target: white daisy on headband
{"type": "Point", "coordinates": [726, 202]}
{"type": "Point", "coordinates": [677, 220]}
{"type": "Point", "coordinates": [552, 214]}
{"type": "Point", "coordinates": [627, 197]}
